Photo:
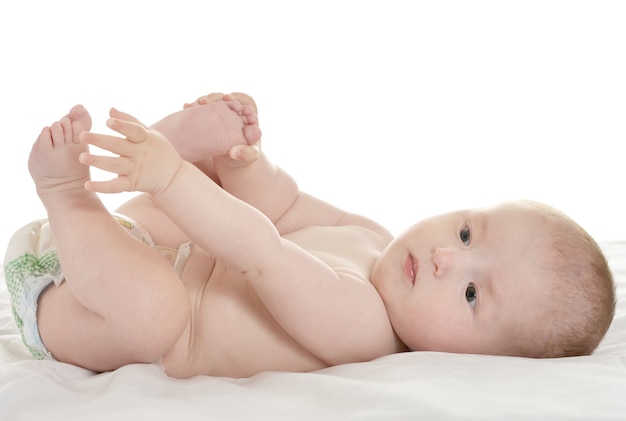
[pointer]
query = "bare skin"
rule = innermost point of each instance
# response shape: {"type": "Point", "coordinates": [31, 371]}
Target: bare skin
{"type": "Point", "coordinates": [192, 130]}
{"type": "Point", "coordinates": [199, 132]}
{"type": "Point", "coordinates": [276, 279]}
{"type": "Point", "coordinates": [85, 320]}
{"type": "Point", "coordinates": [232, 332]}
{"type": "Point", "coordinates": [75, 216]}
{"type": "Point", "coordinates": [110, 313]}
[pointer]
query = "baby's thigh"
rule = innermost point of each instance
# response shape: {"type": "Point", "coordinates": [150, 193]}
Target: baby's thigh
{"type": "Point", "coordinates": [162, 229]}
{"type": "Point", "coordinates": [74, 334]}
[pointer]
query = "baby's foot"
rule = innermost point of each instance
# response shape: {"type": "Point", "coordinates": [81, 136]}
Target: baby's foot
{"type": "Point", "coordinates": [216, 96]}
{"type": "Point", "coordinates": [202, 131]}
{"type": "Point", "coordinates": [53, 161]}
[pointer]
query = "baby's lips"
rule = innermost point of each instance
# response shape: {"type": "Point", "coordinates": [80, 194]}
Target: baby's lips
{"type": "Point", "coordinates": [411, 267]}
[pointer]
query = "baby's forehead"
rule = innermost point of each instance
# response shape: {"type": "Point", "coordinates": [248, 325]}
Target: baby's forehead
{"type": "Point", "coordinates": [514, 221]}
{"type": "Point", "coordinates": [516, 247]}
{"type": "Point", "coordinates": [511, 209]}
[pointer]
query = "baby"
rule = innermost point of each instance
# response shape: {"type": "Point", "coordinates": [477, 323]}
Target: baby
{"type": "Point", "coordinates": [230, 270]}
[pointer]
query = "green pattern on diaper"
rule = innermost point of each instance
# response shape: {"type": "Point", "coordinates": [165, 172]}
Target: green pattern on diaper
{"type": "Point", "coordinates": [16, 272]}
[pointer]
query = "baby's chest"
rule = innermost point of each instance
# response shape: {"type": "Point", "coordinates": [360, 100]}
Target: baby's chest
{"type": "Point", "coordinates": [347, 249]}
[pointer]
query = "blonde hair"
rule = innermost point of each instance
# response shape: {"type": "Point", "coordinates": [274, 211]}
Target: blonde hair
{"type": "Point", "coordinates": [580, 300]}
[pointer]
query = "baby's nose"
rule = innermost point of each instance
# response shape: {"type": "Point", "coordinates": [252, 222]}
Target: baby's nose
{"type": "Point", "coordinates": [442, 260]}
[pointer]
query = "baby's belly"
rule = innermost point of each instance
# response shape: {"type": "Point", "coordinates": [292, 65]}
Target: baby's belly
{"type": "Point", "coordinates": [230, 333]}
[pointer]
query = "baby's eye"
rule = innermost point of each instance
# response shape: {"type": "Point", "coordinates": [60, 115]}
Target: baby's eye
{"type": "Point", "coordinates": [471, 295]}
{"type": "Point", "coordinates": [466, 236]}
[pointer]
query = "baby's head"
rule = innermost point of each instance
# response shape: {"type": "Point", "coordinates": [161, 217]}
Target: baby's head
{"type": "Point", "coordinates": [579, 291]}
{"type": "Point", "coordinates": [518, 279]}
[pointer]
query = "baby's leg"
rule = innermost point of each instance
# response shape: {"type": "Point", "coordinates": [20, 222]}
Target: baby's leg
{"type": "Point", "coordinates": [203, 131]}
{"type": "Point", "coordinates": [121, 302]}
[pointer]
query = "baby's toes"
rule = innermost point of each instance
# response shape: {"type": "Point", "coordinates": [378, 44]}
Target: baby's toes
{"type": "Point", "coordinates": [235, 106]}
{"type": "Point", "coordinates": [248, 110]}
{"type": "Point", "coordinates": [78, 113]}
{"type": "Point", "coordinates": [251, 119]}
{"type": "Point", "coordinates": [66, 124]}
{"type": "Point", "coordinates": [77, 128]}
{"type": "Point", "coordinates": [56, 133]}
{"type": "Point", "coordinates": [252, 133]}
{"type": "Point", "coordinates": [44, 140]}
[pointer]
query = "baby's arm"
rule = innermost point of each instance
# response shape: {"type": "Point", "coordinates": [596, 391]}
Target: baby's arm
{"type": "Point", "coordinates": [338, 318]}
{"type": "Point", "coordinates": [245, 171]}
{"type": "Point", "coordinates": [270, 189]}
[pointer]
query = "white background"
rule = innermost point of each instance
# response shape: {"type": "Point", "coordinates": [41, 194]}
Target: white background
{"type": "Point", "coordinates": [394, 109]}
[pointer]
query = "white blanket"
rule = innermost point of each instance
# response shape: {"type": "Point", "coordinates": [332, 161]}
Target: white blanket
{"type": "Point", "coordinates": [434, 386]}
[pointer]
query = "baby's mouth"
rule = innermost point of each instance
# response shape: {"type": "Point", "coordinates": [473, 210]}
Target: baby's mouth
{"type": "Point", "coordinates": [410, 267]}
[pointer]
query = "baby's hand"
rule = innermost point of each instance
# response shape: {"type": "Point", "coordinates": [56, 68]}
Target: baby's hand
{"type": "Point", "coordinates": [218, 96]}
{"type": "Point", "coordinates": [240, 155]}
{"type": "Point", "coordinates": [205, 99]}
{"type": "Point", "coordinates": [146, 160]}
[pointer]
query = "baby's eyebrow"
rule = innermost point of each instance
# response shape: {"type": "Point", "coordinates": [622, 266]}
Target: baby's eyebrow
{"type": "Point", "coordinates": [489, 295]}
{"type": "Point", "coordinates": [483, 223]}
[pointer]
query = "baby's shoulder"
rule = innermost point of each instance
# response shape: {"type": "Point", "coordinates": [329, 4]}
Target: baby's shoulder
{"type": "Point", "coordinates": [360, 221]}
{"type": "Point", "coordinates": [348, 249]}
{"type": "Point", "coordinates": [338, 235]}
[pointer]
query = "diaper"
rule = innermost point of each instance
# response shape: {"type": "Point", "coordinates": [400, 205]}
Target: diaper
{"type": "Point", "coordinates": [31, 265]}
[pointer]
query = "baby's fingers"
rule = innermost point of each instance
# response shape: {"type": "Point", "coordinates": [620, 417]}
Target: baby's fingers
{"type": "Point", "coordinates": [116, 185]}
{"type": "Point", "coordinates": [113, 144]}
{"type": "Point", "coordinates": [135, 132]}
{"type": "Point", "coordinates": [118, 165]}
{"type": "Point", "coordinates": [205, 99]}
{"type": "Point", "coordinates": [129, 126]}
{"type": "Point", "coordinates": [244, 153]}
{"type": "Point", "coordinates": [120, 115]}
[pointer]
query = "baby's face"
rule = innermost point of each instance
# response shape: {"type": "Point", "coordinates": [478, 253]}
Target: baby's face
{"type": "Point", "coordinates": [461, 282]}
